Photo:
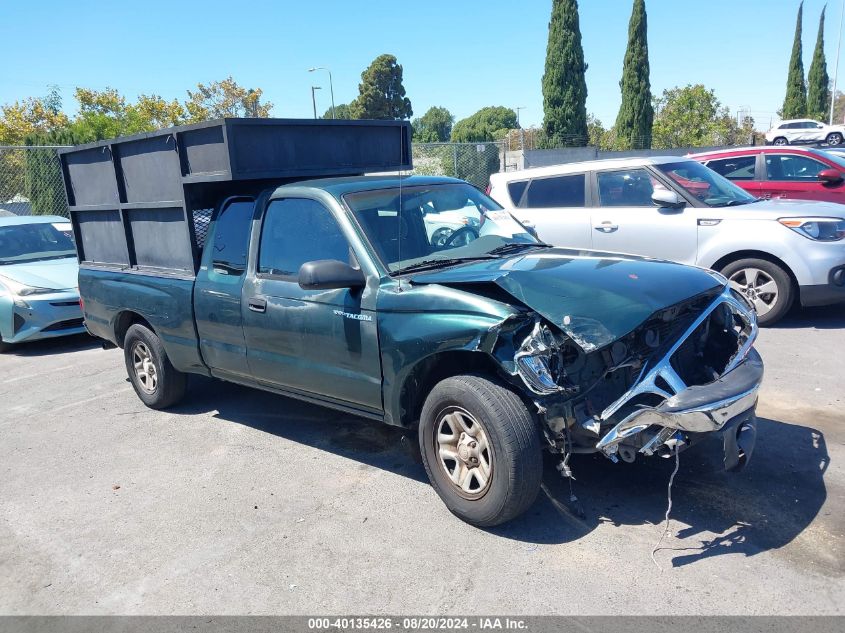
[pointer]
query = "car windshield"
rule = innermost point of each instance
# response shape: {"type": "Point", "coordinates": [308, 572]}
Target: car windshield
{"type": "Point", "coordinates": [435, 224]}
{"type": "Point", "coordinates": [836, 157]}
{"type": "Point", "coordinates": [22, 243]}
{"type": "Point", "coordinates": [705, 184]}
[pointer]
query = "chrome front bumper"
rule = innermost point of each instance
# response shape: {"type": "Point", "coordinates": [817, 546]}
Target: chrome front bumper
{"type": "Point", "coordinates": [691, 409]}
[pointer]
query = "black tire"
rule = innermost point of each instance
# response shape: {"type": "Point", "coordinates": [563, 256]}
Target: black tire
{"type": "Point", "coordinates": [785, 289]}
{"type": "Point", "coordinates": [5, 347]}
{"type": "Point", "coordinates": [515, 449]}
{"type": "Point", "coordinates": [780, 140]}
{"type": "Point", "coordinates": [834, 139]}
{"type": "Point", "coordinates": [169, 384]}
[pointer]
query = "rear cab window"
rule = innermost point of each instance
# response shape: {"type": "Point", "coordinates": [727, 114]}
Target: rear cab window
{"type": "Point", "coordinates": [231, 237]}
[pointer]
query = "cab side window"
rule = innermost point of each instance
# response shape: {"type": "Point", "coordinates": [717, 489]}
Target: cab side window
{"type": "Point", "coordinates": [792, 167]}
{"type": "Point", "coordinates": [295, 231]}
{"type": "Point", "coordinates": [231, 237]}
{"type": "Point", "coordinates": [627, 188]}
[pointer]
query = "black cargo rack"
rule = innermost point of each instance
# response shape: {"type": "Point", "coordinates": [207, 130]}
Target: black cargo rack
{"type": "Point", "coordinates": [142, 202]}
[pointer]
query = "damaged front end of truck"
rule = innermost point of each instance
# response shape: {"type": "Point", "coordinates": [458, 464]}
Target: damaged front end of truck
{"type": "Point", "coordinates": [688, 371]}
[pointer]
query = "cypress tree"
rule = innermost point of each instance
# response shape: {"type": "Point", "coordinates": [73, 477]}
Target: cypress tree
{"type": "Point", "coordinates": [795, 102]}
{"type": "Point", "coordinates": [636, 114]}
{"type": "Point", "coordinates": [818, 95]}
{"type": "Point", "coordinates": [564, 83]}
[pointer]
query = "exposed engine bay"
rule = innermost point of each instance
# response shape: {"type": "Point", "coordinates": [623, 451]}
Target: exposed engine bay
{"type": "Point", "coordinates": [686, 371]}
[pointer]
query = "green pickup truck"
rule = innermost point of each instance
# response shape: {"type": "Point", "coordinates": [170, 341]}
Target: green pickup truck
{"type": "Point", "coordinates": [257, 252]}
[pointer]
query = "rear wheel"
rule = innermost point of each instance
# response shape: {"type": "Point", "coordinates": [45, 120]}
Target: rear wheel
{"type": "Point", "coordinates": [780, 141]}
{"type": "Point", "coordinates": [765, 284]}
{"type": "Point", "coordinates": [158, 384]}
{"type": "Point", "coordinates": [834, 138]}
{"type": "Point", "coordinates": [481, 449]}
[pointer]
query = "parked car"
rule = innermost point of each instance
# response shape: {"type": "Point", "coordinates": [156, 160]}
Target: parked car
{"type": "Point", "coordinates": [38, 286]}
{"type": "Point", "coordinates": [493, 346]}
{"type": "Point", "coordinates": [795, 131]}
{"type": "Point", "coordinates": [781, 172]}
{"type": "Point", "coordinates": [773, 251]}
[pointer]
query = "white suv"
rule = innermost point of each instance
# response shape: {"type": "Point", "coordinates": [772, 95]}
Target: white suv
{"type": "Point", "coordinates": [796, 131]}
{"type": "Point", "coordinates": [773, 251]}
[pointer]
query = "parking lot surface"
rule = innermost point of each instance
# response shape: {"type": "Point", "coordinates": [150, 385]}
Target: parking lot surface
{"type": "Point", "coordinates": [244, 502]}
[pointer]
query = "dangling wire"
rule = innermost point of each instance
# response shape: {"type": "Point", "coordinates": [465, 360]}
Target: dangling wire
{"type": "Point", "coordinates": [668, 508]}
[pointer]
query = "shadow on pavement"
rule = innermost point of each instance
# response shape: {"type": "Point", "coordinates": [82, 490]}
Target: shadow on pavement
{"type": "Point", "coordinates": [822, 318]}
{"type": "Point", "coordinates": [54, 346]}
{"type": "Point", "coordinates": [762, 508]}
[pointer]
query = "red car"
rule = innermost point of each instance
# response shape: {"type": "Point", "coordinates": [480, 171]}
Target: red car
{"type": "Point", "coordinates": [781, 172]}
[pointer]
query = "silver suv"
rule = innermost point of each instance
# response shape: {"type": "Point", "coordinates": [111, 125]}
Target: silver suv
{"type": "Point", "coordinates": [773, 251]}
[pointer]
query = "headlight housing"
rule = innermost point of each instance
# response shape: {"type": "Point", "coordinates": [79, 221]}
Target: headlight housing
{"type": "Point", "coordinates": [817, 229]}
{"type": "Point", "coordinates": [22, 290]}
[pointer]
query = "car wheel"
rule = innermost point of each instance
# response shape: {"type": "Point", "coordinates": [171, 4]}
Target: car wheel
{"type": "Point", "coordinates": [481, 449]}
{"type": "Point", "coordinates": [835, 138]}
{"type": "Point", "coordinates": [158, 384]}
{"type": "Point", "coordinates": [780, 141]}
{"type": "Point", "coordinates": [5, 347]}
{"type": "Point", "coordinates": [439, 237]}
{"type": "Point", "coordinates": [766, 285]}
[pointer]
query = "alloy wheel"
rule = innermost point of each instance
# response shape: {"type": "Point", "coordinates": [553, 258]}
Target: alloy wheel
{"type": "Point", "coordinates": [145, 369]}
{"type": "Point", "coordinates": [464, 452]}
{"type": "Point", "coordinates": [758, 287]}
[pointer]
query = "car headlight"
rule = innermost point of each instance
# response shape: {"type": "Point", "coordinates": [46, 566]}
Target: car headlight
{"type": "Point", "coordinates": [22, 290]}
{"type": "Point", "coordinates": [817, 229]}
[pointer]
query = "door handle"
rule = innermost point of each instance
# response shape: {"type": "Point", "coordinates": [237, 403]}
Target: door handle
{"type": "Point", "coordinates": [257, 305]}
{"type": "Point", "coordinates": [606, 227]}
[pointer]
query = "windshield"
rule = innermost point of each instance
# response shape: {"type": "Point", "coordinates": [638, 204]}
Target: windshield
{"type": "Point", "coordinates": [22, 243]}
{"type": "Point", "coordinates": [836, 157]}
{"type": "Point", "coordinates": [434, 223]}
{"type": "Point", "coordinates": [705, 184]}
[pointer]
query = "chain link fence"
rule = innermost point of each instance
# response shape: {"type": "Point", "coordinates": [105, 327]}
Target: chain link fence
{"type": "Point", "coordinates": [473, 162]}
{"type": "Point", "coordinates": [31, 181]}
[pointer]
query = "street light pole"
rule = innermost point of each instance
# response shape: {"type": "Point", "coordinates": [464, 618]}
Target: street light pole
{"type": "Point", "coordinates": [331, 85]}
{"type": "Point", "coordinates": [521, 133]}
{"type": "Point", "coordinates": [314, 99]}
{"type": "Point", "coordinates": [836, 66]}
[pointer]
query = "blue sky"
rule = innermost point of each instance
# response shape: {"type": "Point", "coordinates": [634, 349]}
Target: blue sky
{"type": "Point", "coordinates": [461, 54]}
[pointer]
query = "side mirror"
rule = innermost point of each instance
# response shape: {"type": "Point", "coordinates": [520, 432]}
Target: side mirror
{"type": "Point", "coordinates": [830, 176]}
{"type": "Point", "coordinates": [667, 199]}
{"type": "Point", "coordinates": [329, 274]}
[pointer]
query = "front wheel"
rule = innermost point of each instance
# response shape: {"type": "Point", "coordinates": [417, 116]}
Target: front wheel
{"type": "Point", "coordinates": [834, 138]}
{"type": "Point", "coordinates": [158, 384]}
{"type": "Point", "coordinates": [481, 449]}
{"type": "Point", "coordinates": [780, 141]}
{"type": "Point", "coordinates": [765, 284]}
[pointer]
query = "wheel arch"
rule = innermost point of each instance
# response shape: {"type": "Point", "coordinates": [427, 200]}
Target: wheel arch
{"type": "Point", "coordinates": [125, 320]}
{"type": "Point", "coordinates": [753, 254]}
{"type": "Point", "coordinates": [432, 369]}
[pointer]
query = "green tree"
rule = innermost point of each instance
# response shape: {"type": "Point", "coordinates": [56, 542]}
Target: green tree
{"type": "Point", "coordinates": [225, 98]}
{"type": "Point", "coordinates": [818, 91]}
{"type": "Point", "coordinates": [795, 102]}
{"type": "Point", "coordinates": [636, 114]}
{"type": "Point", "coordinates": [488, 124]}
{"type": "Point", "coordinates": [691, 117]}
{"type": "Point", "coordinates": [381, 94]}
{"type": "Point", "coordinates": [43, 176]}
{"type": "Point", "coordinates": [341, 111]}
{"type": "Point", "coordinates": [435, 126]}
{"type": "Point", "coordinates": [564, 82]}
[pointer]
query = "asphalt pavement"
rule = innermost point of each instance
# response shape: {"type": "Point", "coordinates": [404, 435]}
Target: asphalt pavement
{"type": "Point", "coordinates": [241, 502]}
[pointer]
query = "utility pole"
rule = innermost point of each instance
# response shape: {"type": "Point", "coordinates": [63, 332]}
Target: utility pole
{"type": "Point", "coordinates": [314, 99]}
{"type": "Point", "coordinates": [521, 132]}
{"type": "Point", "coordinates": [836, 66]}
{"type": "Point", "coordinates": [331, 85]}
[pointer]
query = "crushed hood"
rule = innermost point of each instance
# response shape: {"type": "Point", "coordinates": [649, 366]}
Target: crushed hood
{"type": "Point", "coordinates": [56, 274]}
{"type": "Point", "coordinates": [595, 298]}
